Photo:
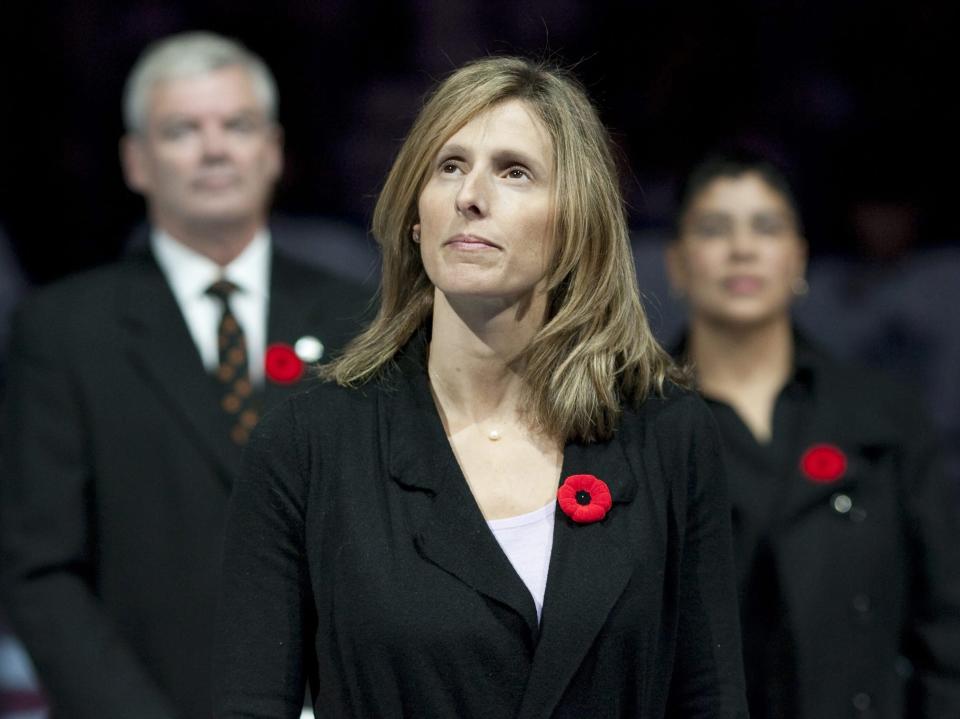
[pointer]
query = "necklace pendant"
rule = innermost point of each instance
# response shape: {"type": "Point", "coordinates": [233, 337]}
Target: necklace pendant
{"type": "Point", "coordinates": [493, 435]}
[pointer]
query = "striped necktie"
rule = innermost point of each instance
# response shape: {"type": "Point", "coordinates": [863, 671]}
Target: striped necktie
{"type": "Point", "coordinates": [233, 374]}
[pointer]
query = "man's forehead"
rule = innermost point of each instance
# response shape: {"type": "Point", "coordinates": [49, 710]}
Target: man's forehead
{"type": "Point", "coordinates": [225, 90]}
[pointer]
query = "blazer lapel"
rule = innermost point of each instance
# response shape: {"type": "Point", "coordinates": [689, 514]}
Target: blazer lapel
{"type": "Point", "coordinates": [453, 535]}
{"type": "Point", "coordinates": [292, 314]}
{"type": "Point", "coordinates": [159, 344]}
{"type": "Point", "coordinates": [590, 566]}
{"type": "Point", "coordinates": [305, 303]}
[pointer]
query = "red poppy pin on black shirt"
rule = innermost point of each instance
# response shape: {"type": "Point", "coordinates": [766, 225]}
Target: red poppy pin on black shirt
{"type": "Point", "coordinates": [584, 498]}
{"type": "Point", "coordinates": [823, 463]}
{"type": "Point", "coordinates": [282, 365]}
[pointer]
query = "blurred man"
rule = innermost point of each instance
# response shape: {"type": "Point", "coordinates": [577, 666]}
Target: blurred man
{"type": "Point", "coordinates": [133, 388]}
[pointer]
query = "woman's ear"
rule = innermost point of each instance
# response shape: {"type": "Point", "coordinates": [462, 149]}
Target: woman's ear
{"type": "Point", "coordinates": [804, 256]}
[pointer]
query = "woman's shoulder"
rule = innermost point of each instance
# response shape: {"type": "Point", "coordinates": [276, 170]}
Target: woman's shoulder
{"type": "Point", "coordinates": [674, 413]}
{"type": "Point", "coordinates": [674, 437]}
{"type": "Point", "coordinates": [869, 397]}
{"type": "Point", "coordinates": [315, 402]}
{"type": "Point", "coordinates": [325, 402]}
{"type": "Point", "coordinates": [672, 402]}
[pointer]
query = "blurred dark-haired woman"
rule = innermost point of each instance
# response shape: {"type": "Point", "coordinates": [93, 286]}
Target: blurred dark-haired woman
{"type": "Point", "coordinates": [846, 539]}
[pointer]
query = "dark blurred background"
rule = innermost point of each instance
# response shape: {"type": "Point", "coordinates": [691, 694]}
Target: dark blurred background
{"type": "Point", "coordinates": [854, 97]}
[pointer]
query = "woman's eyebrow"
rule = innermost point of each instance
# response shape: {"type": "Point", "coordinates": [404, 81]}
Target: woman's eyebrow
{"type": "Point", "coordinates": [452, 149]}
{"type": "Point", "coordinates": [711, 214]}
{"type": "Point", "coordinates": [508, 156]}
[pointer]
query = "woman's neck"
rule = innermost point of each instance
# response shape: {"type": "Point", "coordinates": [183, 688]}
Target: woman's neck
{"type": "Point", "coordinates": [510, 465]}
{"type": "Point", "coordinates": [472, 364]}
{"type": "Point", "coordinates": [732, 363]}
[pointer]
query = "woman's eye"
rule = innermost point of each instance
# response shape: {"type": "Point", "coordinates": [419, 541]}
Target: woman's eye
{"type": "Point", "coordinates": [710, 229]}
{"type": "Point", "coordinates": [768, 225]}
{"type": "Point", "coordinates": [517, 173]}
{"type": "Point", "coordinates": [448, 168]}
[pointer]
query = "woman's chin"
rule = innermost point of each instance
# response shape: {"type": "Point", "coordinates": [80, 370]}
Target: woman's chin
{"type": "Point", "coordinates": [742, 319]}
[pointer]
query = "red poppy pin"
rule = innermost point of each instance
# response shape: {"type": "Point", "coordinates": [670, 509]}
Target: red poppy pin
{"type": "Point", "coordinates": [584, 498]}
{"type": "Point", "coordinates": [823, 463]}
{"type": "Point", "coordinates": [282, 365]}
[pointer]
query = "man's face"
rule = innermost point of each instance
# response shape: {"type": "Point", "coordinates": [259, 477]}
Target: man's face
{"type": "Point", "coordinates": [208, 156]}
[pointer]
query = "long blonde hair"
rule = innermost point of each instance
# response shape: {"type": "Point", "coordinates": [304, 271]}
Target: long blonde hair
{"type": "Point", "coordinates": [595, 350]}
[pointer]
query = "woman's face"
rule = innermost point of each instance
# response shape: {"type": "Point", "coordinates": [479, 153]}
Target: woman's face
{"type": "Point", "coordinates": [485, 211]}
{"type": "Point", "coordinates": [739, 257]}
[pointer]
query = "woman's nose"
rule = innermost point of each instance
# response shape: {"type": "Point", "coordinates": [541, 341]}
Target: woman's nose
{"type": "Point", "coordinates": [742, 242]}
{"type": "Point", "coordinates": [473, 196]}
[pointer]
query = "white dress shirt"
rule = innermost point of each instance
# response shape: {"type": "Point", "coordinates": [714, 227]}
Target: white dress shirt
{"type": "Point", "coordinates": [189, 274]}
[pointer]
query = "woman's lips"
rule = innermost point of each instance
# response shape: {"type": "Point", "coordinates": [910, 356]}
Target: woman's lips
{"type": "Point", "coordinates": [743, 285]}
{"type": "Point", "coordinates": [470, 243]}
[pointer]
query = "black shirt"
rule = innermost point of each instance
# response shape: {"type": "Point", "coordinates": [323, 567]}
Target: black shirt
{"type": "Point", "coordinates": [845, 548]}
{"type": "Point", "coordinates": [759, 474]}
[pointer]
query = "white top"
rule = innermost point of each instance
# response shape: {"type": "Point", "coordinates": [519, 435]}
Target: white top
{"type": "Point", "coordinates": [189, 274]}
{"type": "Point", "coordinates": [527, 540]}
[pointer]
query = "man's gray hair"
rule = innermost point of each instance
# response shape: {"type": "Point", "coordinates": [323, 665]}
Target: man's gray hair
{"type": "Point", "coordinates": [185, 55]}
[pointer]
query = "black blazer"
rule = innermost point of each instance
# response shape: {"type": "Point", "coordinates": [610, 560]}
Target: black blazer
{"type": "Point", "coordinates": [357, 559]}
{"type": "Point", "coordinates": [118, 472]}
{"type": "Point", "coordinates": [868, 566]}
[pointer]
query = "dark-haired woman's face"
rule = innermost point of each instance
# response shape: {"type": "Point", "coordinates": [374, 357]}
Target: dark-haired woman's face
{"type": "Point", "coordinates": [739, 257]}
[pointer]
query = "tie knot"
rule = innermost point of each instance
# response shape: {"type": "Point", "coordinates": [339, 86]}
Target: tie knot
{"type": "Point", "coordinates": [222, 289]}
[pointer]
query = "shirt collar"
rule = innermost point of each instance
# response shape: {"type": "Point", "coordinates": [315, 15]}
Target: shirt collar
{"type": "Point", "coordinates": [190, 273]}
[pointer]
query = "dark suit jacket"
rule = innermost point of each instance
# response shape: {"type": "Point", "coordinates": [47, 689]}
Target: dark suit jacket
{"type": "Point", "coordinates": [357, 559]}
{"type": "Point", "coordinates": [868, 566]}
{"type": "Point", "coordinates": [119, 469]}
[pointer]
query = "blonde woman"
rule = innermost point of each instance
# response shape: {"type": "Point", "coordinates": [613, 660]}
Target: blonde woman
{"type": "Point", "coordinates": [500, 504]}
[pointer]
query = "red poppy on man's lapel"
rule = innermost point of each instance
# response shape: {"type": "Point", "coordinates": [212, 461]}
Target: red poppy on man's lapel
{"type": "Point", "coordinates": [282, 365]}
